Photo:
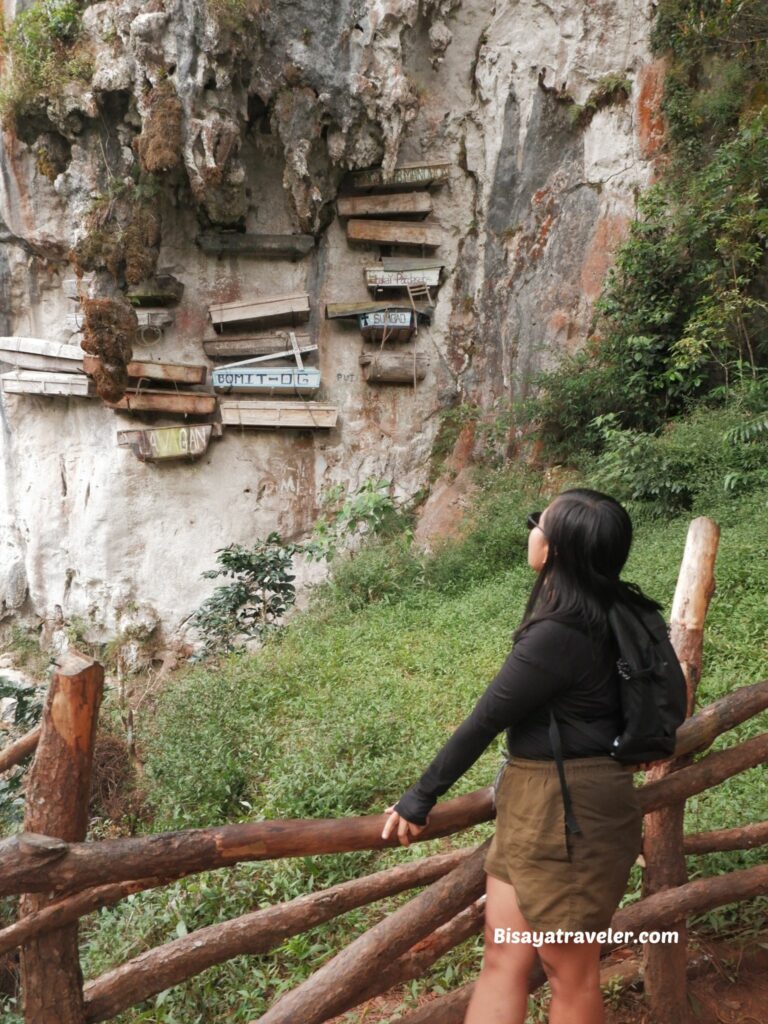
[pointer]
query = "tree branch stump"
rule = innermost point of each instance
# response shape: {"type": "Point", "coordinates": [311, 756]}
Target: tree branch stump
{"type": "Point", "coordinates": [57, 806]}
{"type": "Point", "coordinates": [665, 966]}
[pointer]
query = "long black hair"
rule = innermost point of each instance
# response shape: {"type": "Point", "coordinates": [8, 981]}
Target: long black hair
{"type": "Point", "coordinates": [589, 536]}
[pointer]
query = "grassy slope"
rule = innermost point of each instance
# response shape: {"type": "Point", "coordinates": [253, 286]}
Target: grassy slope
{"type": "Point", "coordinates": [347, 710]}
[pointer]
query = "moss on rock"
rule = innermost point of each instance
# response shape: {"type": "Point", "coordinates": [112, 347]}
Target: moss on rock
{"type": "Point", "coordinates": [159, 145]}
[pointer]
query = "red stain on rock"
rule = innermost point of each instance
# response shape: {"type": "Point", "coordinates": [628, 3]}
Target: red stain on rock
{"type": "Point", "coordinates": [531, 243]}
{"type": "Point", "coordinates": [651, 127]}
{"type": "Point", "coordinates": [610, 230]}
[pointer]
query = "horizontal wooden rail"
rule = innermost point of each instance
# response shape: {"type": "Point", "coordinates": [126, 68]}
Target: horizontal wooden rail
{"type": "Point", "coordinates": [705, 773]}
{"type": "Point", "coordinates": [31, 863]}
{"type": "Point", "coordinates": [18, 750]}
{"type": "Point", "coordinates": [345, 977]}
{"type": "Point", "coordinates": [743, 837]}
{"type": "Point", "coordinates": [258, 932]}
{"type": "Point", "coordinates": [703, 728]}
{"type": "Point", "coordinates": [655, 912]}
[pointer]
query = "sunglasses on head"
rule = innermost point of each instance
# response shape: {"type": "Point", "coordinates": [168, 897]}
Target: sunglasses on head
{"type": "Point", "coordinates": [533, 520]}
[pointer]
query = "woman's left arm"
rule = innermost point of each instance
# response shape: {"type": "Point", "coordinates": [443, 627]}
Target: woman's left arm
{"type": "Point", "coordinates": [537, 668]}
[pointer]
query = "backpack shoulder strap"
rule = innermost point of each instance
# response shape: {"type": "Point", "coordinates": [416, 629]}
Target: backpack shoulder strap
{"type": "Point", "coordinates": [554, 737]}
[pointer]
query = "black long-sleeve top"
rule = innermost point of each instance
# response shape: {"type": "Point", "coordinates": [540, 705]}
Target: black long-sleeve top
{"type": "Point", "coordinates": [553, 661]}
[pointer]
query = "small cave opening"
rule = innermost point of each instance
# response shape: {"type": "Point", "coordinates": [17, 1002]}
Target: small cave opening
{"type": "Point", "coordinates": [258, 115]}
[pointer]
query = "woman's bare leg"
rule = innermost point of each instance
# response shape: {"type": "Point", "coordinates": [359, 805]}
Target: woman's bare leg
{"type": "Point", "coordinates": [573, 970]}
{"type": "Point", "coordinates": [500, 995]}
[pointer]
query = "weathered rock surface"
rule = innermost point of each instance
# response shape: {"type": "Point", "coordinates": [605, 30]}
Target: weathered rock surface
{"type": "Point", "coordinates": [266, 119]}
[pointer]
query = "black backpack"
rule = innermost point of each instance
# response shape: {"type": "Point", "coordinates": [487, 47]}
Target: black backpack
{"type": "Point", "coordinates": [652, 685]}
{"type": "Point", "coordinates": [652, 692]}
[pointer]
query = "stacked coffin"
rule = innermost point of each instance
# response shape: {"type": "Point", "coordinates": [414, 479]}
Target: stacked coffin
{"type": "Point", "coordinates": [159, 387]}
{"type": "Point", "coordinates": [43, 367]}
{"type": "Point", "coordinates": [391, 212]}
{"type": "Point", "coordinates": [390, 217]}
{"type": "Point", "coordinates": [263, 334]}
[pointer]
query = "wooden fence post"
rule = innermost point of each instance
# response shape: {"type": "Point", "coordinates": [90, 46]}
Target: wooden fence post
{"type": "Point", "coordinates": [664, 966]}
{"type": "Point", "coordinates": [57, 799]}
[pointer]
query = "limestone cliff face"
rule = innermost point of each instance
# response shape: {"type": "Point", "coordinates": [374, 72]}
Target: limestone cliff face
{"type": "Point", "coordinates": [253, 125]}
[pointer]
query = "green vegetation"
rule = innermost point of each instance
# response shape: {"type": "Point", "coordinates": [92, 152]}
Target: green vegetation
{"type": "Point", "coordinates": [42, 52]}
{"type": "Point", "coordinates": [260, 593]}
{"type": "Point", "coordinates": [610, 89]}
{"type": "Point", "coordinates": [683, 314]}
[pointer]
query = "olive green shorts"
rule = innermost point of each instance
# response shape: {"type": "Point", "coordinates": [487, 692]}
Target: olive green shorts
{"type": "Point", "coordinates": [562, 880]}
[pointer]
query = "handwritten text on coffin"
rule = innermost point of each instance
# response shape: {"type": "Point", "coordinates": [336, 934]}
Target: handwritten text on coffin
{"type": "Point", "coordinates": [287, 379]}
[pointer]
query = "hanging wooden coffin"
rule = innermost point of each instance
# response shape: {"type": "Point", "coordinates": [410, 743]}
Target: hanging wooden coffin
{"type": "Point", "coordinates": [292, 308]}
{"type": "Point", "coordinates": [394, 367]}
{"type": "Point", "coordinates": [394, 204]}
{"type": "Point", "coordinates": [148, 319]}
{"type": "Point", "coordinates": [388, 325]}
{"type": "Point", "coordinates": [173, 403]}
{"type": "Point", "coordinates": [234, 243]}
{"type": "Point", "coordinates": [39, 354]}
{"type": "Point", "coordinates": [164, 444]}
{"type": "Point", "coordinates": [415, 174]}
{"type": "Point", "coordinates": [394, 232]}
{"type": "Point", "coordinates": [241, 346]}
{"type": "Point", "coordinates": [51, 385]}
{"type": "Point", "coordinates": [267, 380]}
{"type": "Point", "coordinates": [380, 276]}
{"type": "Point", "coordinates": [140, 369]}
{"type": "Point", "coordinates": [244, 412]}
{"type": "Point", "coordinates": [161, 290]}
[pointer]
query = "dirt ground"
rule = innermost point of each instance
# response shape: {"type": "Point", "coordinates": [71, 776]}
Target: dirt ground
{"type": "Point", "coordinates": [727, 984]}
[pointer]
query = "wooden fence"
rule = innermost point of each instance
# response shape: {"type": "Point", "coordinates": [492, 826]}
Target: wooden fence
{"type": "Point", "coordinates": [62, 878]}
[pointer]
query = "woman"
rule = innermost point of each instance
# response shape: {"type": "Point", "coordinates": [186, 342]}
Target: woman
{"type": "Point", "coordinates": [564, 844]}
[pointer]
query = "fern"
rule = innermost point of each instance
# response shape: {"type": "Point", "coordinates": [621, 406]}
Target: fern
{"type": "Point", "coordinates": [745, 432]}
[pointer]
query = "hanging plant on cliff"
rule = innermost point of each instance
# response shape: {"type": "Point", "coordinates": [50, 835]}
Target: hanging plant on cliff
{"type": "Point", "coordinates": [110, 331]}
{"type": "Point", "coordinates": [261, 591]}
{"type": "Point", "coordinates": [122, 233]}
{"type": "Point", "coordinates": [42, 51]}
{"type": "Point", "coordinates": [159, 145]}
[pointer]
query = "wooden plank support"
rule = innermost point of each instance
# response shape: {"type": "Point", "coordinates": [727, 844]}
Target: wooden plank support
{"type": "Point", "coordinates": [259, 932]}
{"type": "Point", "coordinates": [664, 967]}
{"type": "Point", "coordinates": [393, 232]}
{"type": "Point", "coordinates": [235, 243]}
{"type": "Point", "coordinates": [387, 205]}
{"type": "Point", "coordinates": [57, 798]}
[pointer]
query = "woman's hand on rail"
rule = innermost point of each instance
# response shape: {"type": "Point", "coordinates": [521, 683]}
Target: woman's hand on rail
{"type": "Point", "coordinates": [405, 829]}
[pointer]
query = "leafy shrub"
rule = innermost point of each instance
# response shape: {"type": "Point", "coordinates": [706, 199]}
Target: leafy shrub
{"type": "Point", "coordinates": [347, 518]}
{"type": "Point", "coordinates": [383, 570]}
{"type": "Point", "coordinates": [684, 309]}
{"type": "Point", "coordinates": [261, 592]}
{"type": "Point", "coordinates": [27, 713]}
{"type": "Point", "coordinates": [688, 464]}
